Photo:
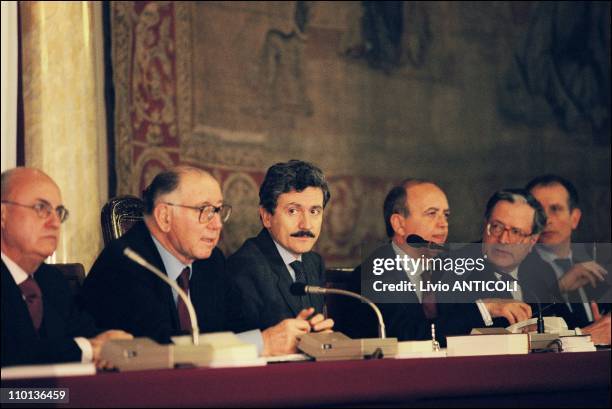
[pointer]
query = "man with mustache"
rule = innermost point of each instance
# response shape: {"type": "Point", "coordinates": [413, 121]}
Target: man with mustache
{"type": "Point", "coordinates": [291, 202]}
{"type": "Point", "coordinates": [580, 278]}
{"type": "Point", "coordinates": [184, 216]}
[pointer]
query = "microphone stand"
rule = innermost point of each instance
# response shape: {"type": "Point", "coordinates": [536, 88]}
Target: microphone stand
{"type": "Point", "coordinates": [135, 257]}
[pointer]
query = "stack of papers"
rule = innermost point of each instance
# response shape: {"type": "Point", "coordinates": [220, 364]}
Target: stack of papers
{"type": "Point", "coordinates": [577, 343]}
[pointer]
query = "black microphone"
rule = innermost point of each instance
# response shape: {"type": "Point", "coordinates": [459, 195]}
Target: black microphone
{"type": "Point", "coordinates": [540, 322]}
{"type": "Point", "coordinates": [416, 241]}
{"type": "Point", "coordinates": [300, 289]}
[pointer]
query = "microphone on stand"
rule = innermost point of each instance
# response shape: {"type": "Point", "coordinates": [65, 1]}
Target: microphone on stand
{"type": "Point", "coordinates": [300, 289]}
{"type": "Point", "coordinates": [138, 259]}
{"type": "Point", "coordinates": [540, 321]}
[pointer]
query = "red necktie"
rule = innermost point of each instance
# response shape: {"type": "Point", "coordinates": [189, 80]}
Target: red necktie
{"type": "Point", "coordinates": [183, 312]}
{"type": "Point", "coordinates": [428, 298]}
{"type": "Point", "coordinates": [33, 299]}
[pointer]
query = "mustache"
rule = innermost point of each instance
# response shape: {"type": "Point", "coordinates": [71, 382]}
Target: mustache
{"type": "Point", "coordinates": [303, 233]}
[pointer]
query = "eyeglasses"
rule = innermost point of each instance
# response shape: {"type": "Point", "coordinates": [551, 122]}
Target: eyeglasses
{"type": "Point", "coordinates": [44, 210]}
{"type": "Point", "coordinates": [515, 235]}
{"type": "Point", "coordinates": [207, 212]}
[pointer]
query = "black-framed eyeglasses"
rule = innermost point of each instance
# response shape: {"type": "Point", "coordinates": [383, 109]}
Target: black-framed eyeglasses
{"type": "Point", "coordinates": [515, 235]}
{"type": "Point", "coordinates": [44, 210]}
{"type": "Point", "coordinates": [207, 212]}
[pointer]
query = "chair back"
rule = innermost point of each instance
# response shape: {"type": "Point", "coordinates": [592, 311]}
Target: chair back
{"type": "Point", "coordinates": [74, 273]}
{"type": "Point", "coordinates": [119, 214]}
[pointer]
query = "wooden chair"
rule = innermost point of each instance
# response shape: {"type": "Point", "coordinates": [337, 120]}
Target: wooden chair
{"type": "Point", "coordinates": [119, 214]}
{"type": "Point", "coordinates": [74, 273]}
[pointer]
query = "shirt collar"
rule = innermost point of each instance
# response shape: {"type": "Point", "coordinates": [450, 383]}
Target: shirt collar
{"type": "Point", "coordinates": [513, 274]}
{"type": "Point", "coordinates": [19, 275]}
{"type": "Point", "coordinates": [548, 255]}
{"type": "Point", "coordinates": [286, 255]}
{"type": "Point", "coordinates": [173, 266]}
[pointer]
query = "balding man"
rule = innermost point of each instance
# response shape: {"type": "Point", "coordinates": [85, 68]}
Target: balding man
{"type": "Point", "coordinates": [184, 215]}
{"type": "Point", "coordinates": [419, 207]}
{"type": "Point", "coordinates": [40, 323]}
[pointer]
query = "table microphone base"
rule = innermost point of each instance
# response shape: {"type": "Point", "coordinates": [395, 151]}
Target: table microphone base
{"type": "Point", "coordinates": [334, 346]}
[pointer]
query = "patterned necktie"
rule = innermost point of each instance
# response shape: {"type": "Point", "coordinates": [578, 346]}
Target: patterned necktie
{"type": "Point", "coordinates": [300, 273]}
{"type": "Point", "coordinates": [183, 312]}
{"type": "Point", "coordinates": [33, 298]}
{"type": "Point", "coordinates": [428, 298]}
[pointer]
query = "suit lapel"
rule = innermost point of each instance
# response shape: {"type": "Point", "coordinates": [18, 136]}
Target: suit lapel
{"type": "Point", "coordinates": [15, 299]}
{"type": "Point", "coordinates": [145, 246]}
{"type": "Point", "coordinates": [283, 279]}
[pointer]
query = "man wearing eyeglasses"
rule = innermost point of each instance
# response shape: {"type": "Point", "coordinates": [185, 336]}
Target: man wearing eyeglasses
{"type": "Point", "coordinates": [418, 207]}
{"type": "Point", "coordinates": [184, 215]}
{"type": "Point", "coordinates": [40, 323]}
{"type": "Point", "coordinates": [514, 220]}
{"type": "Point", "coordinates": [292, 198]}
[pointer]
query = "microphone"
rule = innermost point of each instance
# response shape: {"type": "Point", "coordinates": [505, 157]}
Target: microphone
{"type": "Point", "coordinates": [138, 259]}
{"type": "Point", "coordinates": [300, 289]}
{"type": "Point", "coordinates": [540, 322]}
{"type": "Point", "coordinates": [416, 241]}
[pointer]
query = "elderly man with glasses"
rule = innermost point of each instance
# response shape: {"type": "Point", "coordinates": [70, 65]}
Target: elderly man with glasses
{"type": "Point", "coordinates": [184, 216]}
{"type": "Point", "coordinates": [514, 220]}
{"type": "Point", "coordinates": [40, 323]}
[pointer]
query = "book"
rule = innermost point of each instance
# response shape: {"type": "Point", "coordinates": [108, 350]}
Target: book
{"type": "Point", "coordinates": [577, 343]}
{"type": "Point", "coordinates": [492, 344]}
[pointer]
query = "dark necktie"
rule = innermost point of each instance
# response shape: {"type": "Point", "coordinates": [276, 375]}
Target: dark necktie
{"type": "Point", "coordinates": [300, 277]}
{"type": "Point", "coordinates": [33, 299]}
{"type": "Point", "coordinates": [183, 312]}
{"type": "Point", "coordinates": [578, 307]}
{"type": "Point", "coordinates": [564, 263]}
{"type": "Point", "coordinates": [428, 298]}
{"type": "Point", "coordinates": [300, 273]}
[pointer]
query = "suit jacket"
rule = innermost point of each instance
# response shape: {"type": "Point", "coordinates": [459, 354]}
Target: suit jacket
{"type": "Point", "coordinates": [62, 322]}
{"type": "Point", "coordinates": [601, 293]}
{"type": "Point", "coordinates": [402, 312]}
{"type": "Point", "coordinates": [263, 282]}
{"type": "Point", "coordinates": [121, 294]}
{"type": "Point", "coordinates": [537, 282]}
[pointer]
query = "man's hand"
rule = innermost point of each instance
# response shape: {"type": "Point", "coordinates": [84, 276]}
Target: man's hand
{"type": "Point", "coordinates": [582, 274]}
{"type": "Point", "coordinates": [319, 323]}
{"type": "Point", "coordinates": [599, 330]}
{"type": "Point", "coordinates": [282, 338]}
{"type": "Point", "coordinates": [98, 342]}
{"type": "Point", "coordinates": [513, 311]}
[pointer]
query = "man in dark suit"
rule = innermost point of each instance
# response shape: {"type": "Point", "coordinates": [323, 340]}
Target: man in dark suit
{"type": "Point", "coordinates": [581, 279]}
{"type": "Point", "coordinates": [292, 198]}
{"type": "Point", "coordinates": [184, 215]}
{"type": "Point", "coordinates": [40, 322]}
{"type": "Point", "coordinates": [514, 220]}
{"type": "Point", "coordinates": [418, 207]}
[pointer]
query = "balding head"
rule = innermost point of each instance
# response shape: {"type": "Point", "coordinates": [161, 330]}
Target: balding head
{"type": "Point", "coordinates": [167, 182]}
{"type": "Point", "coordinates": [174, 201]}
{"type": "Point", "coordinates": [28, 234]}
{"type": "Point", "coordinates": [21, 178]}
